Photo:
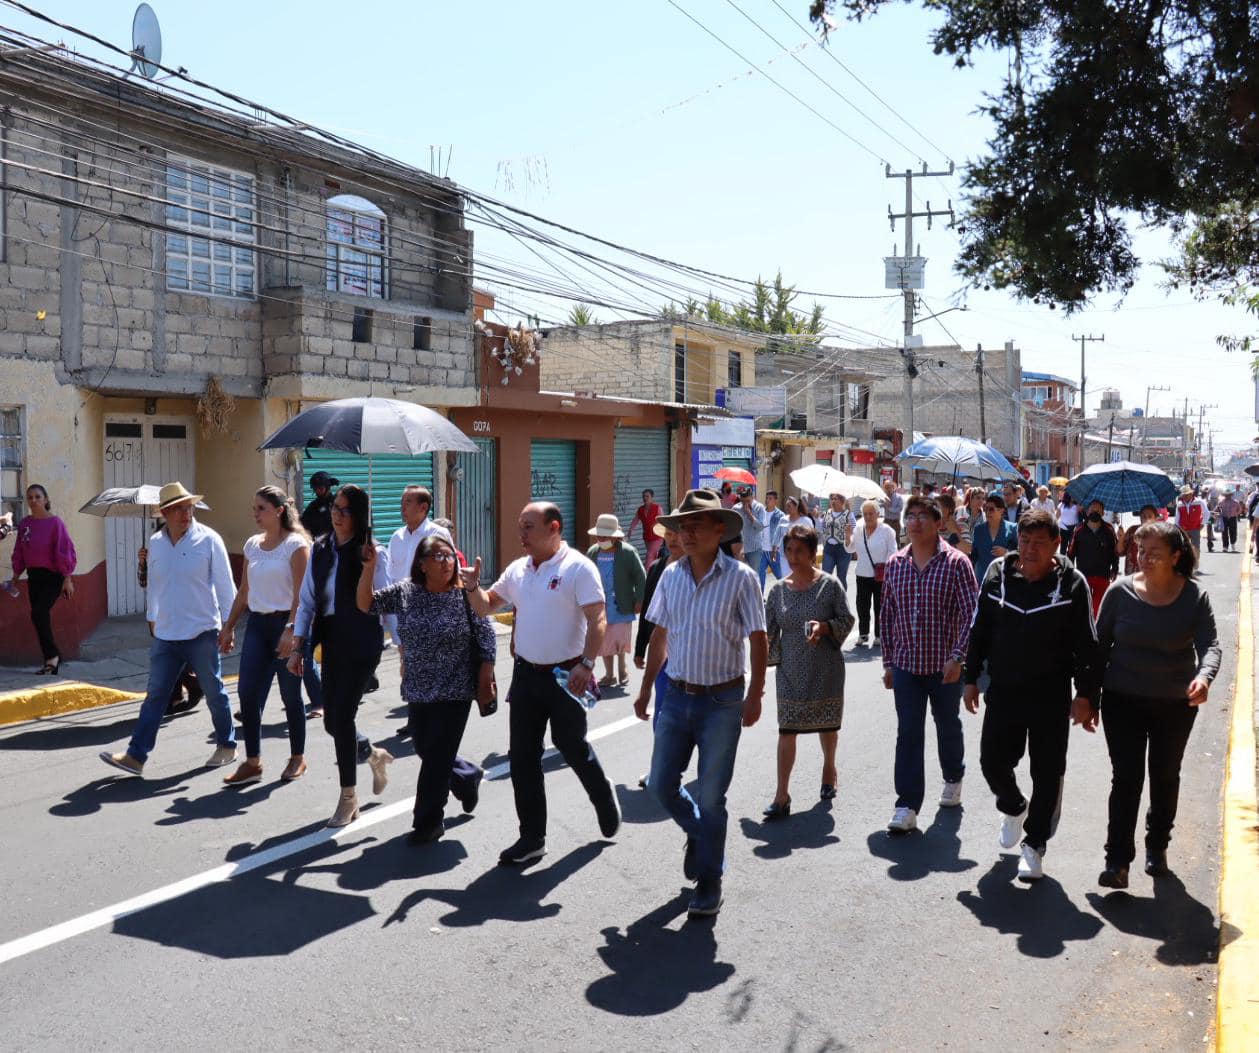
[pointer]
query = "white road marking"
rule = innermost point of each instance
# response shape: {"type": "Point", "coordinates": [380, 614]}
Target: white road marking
{"type": "Point", "coordinates": [97, 919]}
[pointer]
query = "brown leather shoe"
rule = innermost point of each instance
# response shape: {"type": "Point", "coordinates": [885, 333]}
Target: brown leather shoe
{"type": "Point", "coordinates": [295, 769]}
{"type": "Point", "coordinates": [249, 772]}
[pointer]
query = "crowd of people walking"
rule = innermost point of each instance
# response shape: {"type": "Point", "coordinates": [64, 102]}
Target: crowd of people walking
{"type": "Point", "coordinates": [955, 588]}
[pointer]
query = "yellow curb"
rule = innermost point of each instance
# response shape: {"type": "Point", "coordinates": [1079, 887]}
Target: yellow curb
{"type": "Point", "coordinates": [1237, 1007]}
{"type": "Point", "coordinates": [17, 706]}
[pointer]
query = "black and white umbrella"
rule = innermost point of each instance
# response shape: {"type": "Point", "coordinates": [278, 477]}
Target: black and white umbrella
{"type": "Point", "coordinates": [370, 425]}
{"type": "Point", "coordinates": [136, 502]}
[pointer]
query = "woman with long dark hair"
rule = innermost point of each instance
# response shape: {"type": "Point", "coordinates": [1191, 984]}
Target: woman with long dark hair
{"type": "Point", "coordinates": [1158, 652]}
{"type": "Point", "coordinates": [352, 641]}
{"type": "Point", "coordinates": [270, 587]}
{"type": "Point", "coordinates": [450, 661]}
{"type": "Point", "coordinates": [44, 550]}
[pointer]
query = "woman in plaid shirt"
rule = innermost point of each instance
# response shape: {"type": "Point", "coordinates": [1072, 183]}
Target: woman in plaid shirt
{"type": "Point", "coordinates": [929, 596]}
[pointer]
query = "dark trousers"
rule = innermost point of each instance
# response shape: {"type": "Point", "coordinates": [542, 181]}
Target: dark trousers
{"type": "Point", "coordinates": [1066, 533]}
{"type": "Point", "coordinates": [1132, 724]}
{"type": "Point", "coordinates": [535, 700]}
{"type": "Point", "coordinates": [1037, 720]}
{"type": "Point", "coordinates": [344, 681]}
{"type": "Point", "coordinates": [914, 693]}
{"type": "Point", "coordinates": [436, 730]}
{"type": "Point", "coordinates": [44, 586]}
{"type": "Point", "coordinates": [869, 592]}
{"type": "Point", "coordinates": [1230, 531]}
{"type": "Point", "coordinates": [259, 664]}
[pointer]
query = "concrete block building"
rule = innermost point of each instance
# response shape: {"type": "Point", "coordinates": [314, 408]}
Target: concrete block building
{"type": "Point", "coordinates": [178, 280]}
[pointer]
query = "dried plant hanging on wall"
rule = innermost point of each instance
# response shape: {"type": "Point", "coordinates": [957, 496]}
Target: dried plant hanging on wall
{"type": "Point", "coordinates": [520, 348]}
{"type": "Point", "coordinates": [214, 407]}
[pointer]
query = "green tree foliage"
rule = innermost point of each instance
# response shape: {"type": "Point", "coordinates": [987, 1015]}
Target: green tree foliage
{"type": "Point", "coordinates": [769, 311]}
{"type": "Point", "coordinates": [1114, 112]}
{"type": "Point", "coordinates": [581, 314]}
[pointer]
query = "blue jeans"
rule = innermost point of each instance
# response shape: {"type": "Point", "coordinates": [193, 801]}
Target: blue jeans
{"type": "Point", "coordinates": [166, 660]}
{"type": "Point", "coordinates": [835, 560]}
{"type": "Point", "coordinates": [913, 692]}
{"type": "Point", "coordinates": [712, 724]}
{"type": "Point", "coordinates": [775, 564]}
{"type": "Point", "coordinates": [258, 665]}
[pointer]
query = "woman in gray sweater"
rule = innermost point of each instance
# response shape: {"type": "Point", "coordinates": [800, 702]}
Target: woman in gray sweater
{"type": "Point", "coordinates": [1159, 653]}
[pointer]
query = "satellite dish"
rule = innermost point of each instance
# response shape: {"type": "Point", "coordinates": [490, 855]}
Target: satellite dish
{"type": "Point", "coordinates": [146, 42]}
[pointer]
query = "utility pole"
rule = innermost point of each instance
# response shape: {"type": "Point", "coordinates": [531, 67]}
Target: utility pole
{"type": "Point", "coordinates": [1083, 404]}
{"type": "Point", "coordinates": [908, 286]}
{"type": "Point", "coordinates": [1184, 441]}
{"type": "Point", "coordinates": [1110, 436]}
{"type": "Point", "coordinates": [983, 417]}
{"type": "Point", "coordinates": [1197, 439]}
{"type": "Point", "coordinates": [1145, 420]}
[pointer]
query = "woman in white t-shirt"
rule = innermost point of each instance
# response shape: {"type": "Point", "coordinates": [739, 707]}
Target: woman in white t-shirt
{"type": "Point", "coordinates": [1068, 519]}
{"type": "Point", "coordinates": [275, 562]}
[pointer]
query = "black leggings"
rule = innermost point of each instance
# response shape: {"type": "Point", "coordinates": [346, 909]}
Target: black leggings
{"type": "Point", "coordinates": [44, 587]}
{"type": "Point", "coordinates": [344, 683]}
{"type": "Point", "coordinates": [869, 591]}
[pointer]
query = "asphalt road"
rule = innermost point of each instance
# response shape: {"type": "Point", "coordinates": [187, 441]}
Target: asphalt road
{"type": "Point", "coordinates": [834, 935]}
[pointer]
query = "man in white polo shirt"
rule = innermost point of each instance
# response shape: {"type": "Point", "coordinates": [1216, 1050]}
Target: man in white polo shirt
{"type": "Point", "coordinates": [190, 596]}
{"type": "Point", "coordinates": [560, 621]}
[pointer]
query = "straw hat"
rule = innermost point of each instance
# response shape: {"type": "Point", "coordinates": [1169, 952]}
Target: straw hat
{"type": "Point", "coordinates": [607, 525]}
{"type": "Point", "coordinates": [1186, 491]}
{"type": "Point", "coordinates": [697, 502]}
{"type": "Point", "coordinates": [175, 494]}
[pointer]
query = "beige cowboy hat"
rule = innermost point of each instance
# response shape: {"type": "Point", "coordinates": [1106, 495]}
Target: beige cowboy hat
{"type": "Point", "coordinates": [699, 501]}
{"type": "Point", "coordinates": [607, 525]}
{"type": "Point", "coordinates": [1186, 491]}
{"type": "Point", "coordinates": [175, 494]}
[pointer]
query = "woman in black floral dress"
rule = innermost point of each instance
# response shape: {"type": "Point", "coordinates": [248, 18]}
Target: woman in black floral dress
{"type": "Point", "coordinates": [450, 655]}
{"type": "Point", "coordinates": [808, 618]}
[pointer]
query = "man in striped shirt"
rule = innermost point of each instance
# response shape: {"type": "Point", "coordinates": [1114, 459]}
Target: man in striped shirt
{"type": "Point", "coordinates": [929, 597]}
{"type": "Point", "coordinates": [704, 608]}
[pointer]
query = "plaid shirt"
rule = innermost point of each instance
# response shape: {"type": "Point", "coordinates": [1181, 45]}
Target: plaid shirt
{"type": "Point", "coordinates": [926, 616]}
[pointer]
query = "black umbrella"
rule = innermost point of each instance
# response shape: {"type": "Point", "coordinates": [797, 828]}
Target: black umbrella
{"type": "Point", "coordinates": [370, 425]}
{"type": "Point", "coordinates": [1252, 469]}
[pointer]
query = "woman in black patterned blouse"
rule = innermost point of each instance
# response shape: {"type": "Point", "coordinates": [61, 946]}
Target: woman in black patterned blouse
{"type": "Point", "coordinates": [450, 656]}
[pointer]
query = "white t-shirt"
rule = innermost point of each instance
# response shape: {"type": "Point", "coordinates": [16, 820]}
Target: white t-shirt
{"type": "Point", "coordinates": [1069, 515]}
{"type": "Point", "coordinates": [271, 573]}
{"type": "Point", "coordinates": [1045, 505]}
{"type": "Point", "coordinates": [550, 622]}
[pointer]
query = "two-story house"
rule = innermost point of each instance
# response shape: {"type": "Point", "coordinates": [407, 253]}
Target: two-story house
{"type": "Point", "coordinates": [176, 281]}
{"type": "Point", "coordinates": [1051, 426]}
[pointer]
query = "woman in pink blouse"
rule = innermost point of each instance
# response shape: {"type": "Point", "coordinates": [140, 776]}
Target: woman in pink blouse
{"type": "Point", "coordinates": [44, 550]}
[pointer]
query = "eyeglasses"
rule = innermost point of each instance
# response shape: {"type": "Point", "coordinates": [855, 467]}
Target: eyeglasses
{"type": "Point", "coordinates": [340, 510]}
{"type": "Point", "coordinates": [918, 517]}
{"type": "Point", "coordinates": [441, 557]}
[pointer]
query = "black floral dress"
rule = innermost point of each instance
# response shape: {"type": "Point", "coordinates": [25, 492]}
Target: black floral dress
{"type": "Point", "coordinates": [809, 679]}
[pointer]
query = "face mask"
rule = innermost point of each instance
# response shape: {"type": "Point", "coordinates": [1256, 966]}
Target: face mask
{"type": "Point", "coordinates": [605, 545]}
{"type": "Point", "coordinates": [1095, 517]}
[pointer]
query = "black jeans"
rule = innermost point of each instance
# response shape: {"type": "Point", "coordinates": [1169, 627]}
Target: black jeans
{"type": "Point", "coordinates": [1039, 720]}
{"type": "Point", "coordinates": [436, 730]}
{"type": "Point", "coordinates": [535, 699]}
{"type": "Point", "coordinates": [1230, 531]}
{"type": "Point", "coordinates": [1065, 533]}
{"type": "Point", "coordinates": [1132, 724]}
{"type": "Point", "coordinates": [44, 586]}
{"type": "Point", "coordinates": [344, 684]}
{"type": "Point", "coordinates": [868, 591]}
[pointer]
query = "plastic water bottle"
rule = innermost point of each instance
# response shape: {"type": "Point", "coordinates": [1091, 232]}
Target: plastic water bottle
{"type": "Point", "coordinates": [11, 588]}
{"type": "Point", "coordinates": [587, 699]}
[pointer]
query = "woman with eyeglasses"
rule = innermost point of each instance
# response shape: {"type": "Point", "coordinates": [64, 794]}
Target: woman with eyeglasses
{"type": "Point", "coordinates": [450, 661]}
{"type": "Point", "coordinates": [352, 640]}
{"type": "Point", "coordinates": [44, 550]}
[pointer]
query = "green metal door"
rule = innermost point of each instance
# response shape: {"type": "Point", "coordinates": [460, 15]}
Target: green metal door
{"type": "Point", "coordinates": [475, 500]}
{"type": "Point", "coordinates": [382, 475]}
{"type": "Point", "coordinates": [641, 457]}
{"type": "Point", "coordinates": [554, 478]}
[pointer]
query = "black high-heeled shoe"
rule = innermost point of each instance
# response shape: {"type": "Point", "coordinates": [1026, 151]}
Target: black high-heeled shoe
{"type": "Point", "coordinates": [777, 811]}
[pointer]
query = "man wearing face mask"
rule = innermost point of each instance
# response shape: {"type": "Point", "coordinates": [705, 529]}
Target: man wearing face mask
{"type": "Point", "coordinates": [1095, 549]}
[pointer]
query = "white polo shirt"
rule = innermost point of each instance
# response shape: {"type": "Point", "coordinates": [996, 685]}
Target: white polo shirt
{"type": "Point", "coordinates": [550, 622]}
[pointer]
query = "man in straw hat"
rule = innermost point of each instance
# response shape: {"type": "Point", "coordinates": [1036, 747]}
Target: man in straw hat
{"type": "Point", "coordinates": [705, 606]}
{"type": "Point", "coordinates": [190, 596]}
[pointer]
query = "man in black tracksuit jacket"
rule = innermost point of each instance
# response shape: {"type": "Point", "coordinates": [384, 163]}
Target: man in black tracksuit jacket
{"type": "Point", "coordinates": [1034, 631]}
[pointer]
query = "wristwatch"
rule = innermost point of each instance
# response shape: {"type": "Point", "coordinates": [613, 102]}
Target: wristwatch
{"type": "Point", "coordinates": [589, 663]}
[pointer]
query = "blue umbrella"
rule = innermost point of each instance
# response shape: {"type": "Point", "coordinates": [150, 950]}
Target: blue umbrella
{"type": "Point", "coordinates": [958, 456]}
{"type": "Point", "coordinates": [1123, 486]}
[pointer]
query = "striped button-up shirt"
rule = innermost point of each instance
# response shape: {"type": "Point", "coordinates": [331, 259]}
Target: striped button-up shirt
{"type": "Point", "coordinates": [708, 621]}
{"type": "Point", "coordinates": [926, 614]}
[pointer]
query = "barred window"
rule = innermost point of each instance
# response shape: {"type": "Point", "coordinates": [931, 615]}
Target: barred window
{"type": "Point", "coordinates": [215, 212]}
{"type": "Point", "coordinates": [12, 484]}
{"type": "Point", "coordinates": [357, 259]}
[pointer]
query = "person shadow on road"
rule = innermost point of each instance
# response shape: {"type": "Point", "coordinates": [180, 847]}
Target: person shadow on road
{"type": "Point", "coordinates": [914, 856]}
{"type": "Point", "coordinates": [814, 828]}
{"type": "Point", "coordinates": [1185, 927]}
{"type": "Point", "coordinates": [654, 969]}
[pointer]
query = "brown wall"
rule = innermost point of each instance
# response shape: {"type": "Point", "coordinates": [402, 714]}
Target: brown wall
{"type": "Point", "coordinates": [72, 620]}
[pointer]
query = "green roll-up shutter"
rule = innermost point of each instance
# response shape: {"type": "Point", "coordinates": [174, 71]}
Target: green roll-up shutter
{"type": "Point", "coordinates": [642, 463]}
{"type": "Point", "coordinates": [554, 479]}
{"type": "Point", "coordinates": [382, 475]}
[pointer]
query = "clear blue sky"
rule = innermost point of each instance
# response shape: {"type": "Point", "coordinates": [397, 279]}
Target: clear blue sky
{"type": "Point", "coordinates": [607, 117]}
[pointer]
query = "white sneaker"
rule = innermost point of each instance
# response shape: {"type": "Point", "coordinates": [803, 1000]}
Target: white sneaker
{"type": "Point", "coordinates": [951, 795]}
{"type": "Point", "coordinates": [903, 820]}
{"type": "Point", "coordinates": [222, 756]}
{"type": "Point", "coordinates": [1031, 866]}
{"type": "Point", "coordinates": [876, 640]}
{"type": "Point", "coordinates": [1011, 829]}
{"type": "Point", "coordinates": [863, 641]}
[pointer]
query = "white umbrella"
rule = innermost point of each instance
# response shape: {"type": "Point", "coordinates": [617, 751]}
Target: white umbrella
{"type": "Point", "coordinates": [133, 501]}
{"type": "Point", "coordinates": [822, 480]}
